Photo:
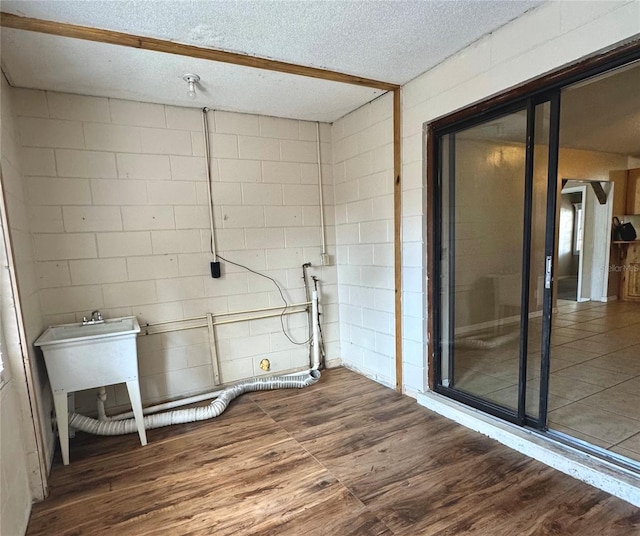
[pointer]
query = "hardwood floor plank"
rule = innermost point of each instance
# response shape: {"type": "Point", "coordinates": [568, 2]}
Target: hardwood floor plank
{"type": "Point", "coordinates": [86, 446]}
{"type": "Point", "coordinates": [311, 506]}
{"type": "Point", "coordinates": [397, 458]}
{"type": "Point", "coordinates": [344, 457]}
{"type": "Point", "coordinates": [249, 429]}
{"type": "Point", "coordinates": [268, 467]}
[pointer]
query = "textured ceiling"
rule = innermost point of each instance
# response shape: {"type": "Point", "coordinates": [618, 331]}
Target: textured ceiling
{"type": "Point", "coordinates": [393, 41]}
{"type": "Point", "coordinates": [598, 114]}
{"type": "Point", "coordinates": [140, 75]}
{"type": "Point", "coordinates": [604, 113]}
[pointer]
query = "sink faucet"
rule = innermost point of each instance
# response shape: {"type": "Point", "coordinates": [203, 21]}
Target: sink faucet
{"type": "Point", "coordinates": [96, 318]}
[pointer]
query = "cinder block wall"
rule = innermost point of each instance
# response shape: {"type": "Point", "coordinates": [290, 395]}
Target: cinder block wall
{"type": "Point", "coordinates": [118, 207]}
{"type": "Point", "coordinates": [19, 469]}
{"type": "Point", "coordinates": [363, 172]}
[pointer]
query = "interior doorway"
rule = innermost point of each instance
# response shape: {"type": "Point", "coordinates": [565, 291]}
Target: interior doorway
{"type": "Point", "coordinates": [583, 240]}
{"type": "Point", "coordinates": [570, 237]}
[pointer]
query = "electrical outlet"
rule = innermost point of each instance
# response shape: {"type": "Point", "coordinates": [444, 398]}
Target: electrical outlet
{"type": "Point", "coordinates": [325, 259]}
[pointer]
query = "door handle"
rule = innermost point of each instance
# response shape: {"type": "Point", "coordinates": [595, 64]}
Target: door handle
{"type": "Point", "coordinates": [547, 271]}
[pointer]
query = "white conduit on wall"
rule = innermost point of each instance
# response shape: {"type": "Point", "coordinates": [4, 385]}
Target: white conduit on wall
{"type": "Point", "coordinates": [323, 248]}
{"type": "Point", "coordinates": [119, 425]}
{"type": "Point", "coordinates": [207, 161]}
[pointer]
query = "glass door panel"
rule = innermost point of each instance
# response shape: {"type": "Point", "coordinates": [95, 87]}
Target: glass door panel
{"type": "Point", "coordinates": [483, 201]}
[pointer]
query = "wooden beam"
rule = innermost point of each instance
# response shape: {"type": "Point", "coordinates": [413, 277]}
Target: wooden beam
{"type": "Point", "coordinates": [397, 230]}
{"type": "Point", "coordinates": [98, 35]}
{"type": "Point", "coordinates": [599, 191]}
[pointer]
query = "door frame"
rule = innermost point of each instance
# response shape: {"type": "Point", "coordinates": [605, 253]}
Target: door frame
{"type": "Point", "coordinates": [582, 190]}
{"type": "Point", "coordinates": [447, 136]}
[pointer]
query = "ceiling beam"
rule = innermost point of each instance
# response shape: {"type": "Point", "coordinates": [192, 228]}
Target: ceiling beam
{"type": "Point", "coordinates": [98, 35]}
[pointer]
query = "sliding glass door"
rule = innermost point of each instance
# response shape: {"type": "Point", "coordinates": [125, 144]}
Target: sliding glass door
{"type": "Point", "coordinates": [495, 237]}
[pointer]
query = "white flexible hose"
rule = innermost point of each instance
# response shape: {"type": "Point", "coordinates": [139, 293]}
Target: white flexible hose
{"type": "Point", "coordinates": [202, 413]}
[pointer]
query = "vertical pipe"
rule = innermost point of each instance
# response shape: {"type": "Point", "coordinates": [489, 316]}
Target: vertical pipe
{"type": "Point", "coordinates": [101, 399]}
{"type": "Point", "coordinates": [215, 366]}
{"type": "Point", "coordinates": [207, 160]}
{"type": "Point", "coordinates": [322, 230]}
{"type": "Point", "coordinates": [316, 331]}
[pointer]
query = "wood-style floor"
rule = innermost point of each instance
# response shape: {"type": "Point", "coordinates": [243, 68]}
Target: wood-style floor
{"type": "Point", "coordinates": [344, 457]}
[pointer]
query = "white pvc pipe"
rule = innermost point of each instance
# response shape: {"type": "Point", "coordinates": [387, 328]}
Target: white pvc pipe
{"type": "Point", "coordinates": [288, 311]}
{"type": "Point", "coordinates": [205, 131]}
{"type": "Point", "coordinates": [154, 331]}
{"type": "Point", "coordinates": [322, 229]}
{"type": "Point", "coordinates": [232, 313]}
{"type": "Point", "coordinates": [102, 398]}
{"type": "Point", "coordinates": [170, 405]}
{"type": "Point", "coordinates": [316, 331]}
{"type": "Point", "coordinates": [102, 417]}
{"type": "Point", "coordinates": [272, 308]}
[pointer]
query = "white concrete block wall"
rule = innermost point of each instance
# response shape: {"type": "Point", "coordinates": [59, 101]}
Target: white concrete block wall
{"type": "Point", "coordinates": [20, 480]}
{"type": "Point", "coordinates": [118, 197]}
{"type": "Point", "coordinates": [363, 173]}
{"type": "Point", "coordinates": [15, 495]}
{"type": "Point", "coordinates": [552, 35]}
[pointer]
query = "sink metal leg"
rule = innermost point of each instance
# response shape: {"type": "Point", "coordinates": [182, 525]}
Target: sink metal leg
{"type": "Point", "coordinates": [136, 405]}
{"type": "Point", "coordinates": [62, 418]}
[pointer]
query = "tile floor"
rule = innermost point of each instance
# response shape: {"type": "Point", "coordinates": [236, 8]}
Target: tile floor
{"type": "Point", "coordinates": [595, 372]}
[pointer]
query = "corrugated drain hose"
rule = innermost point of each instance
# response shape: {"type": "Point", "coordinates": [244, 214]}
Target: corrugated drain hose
{"type": "Point", "coordinates": [202, 413]}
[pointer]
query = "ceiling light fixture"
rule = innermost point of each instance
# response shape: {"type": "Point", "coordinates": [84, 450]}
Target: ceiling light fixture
{"type": "Point", "coordinates": [192, 80]}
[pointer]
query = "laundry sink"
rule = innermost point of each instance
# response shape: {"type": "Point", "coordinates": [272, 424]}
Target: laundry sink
{"type": "Point", "coordinates": [66, 333]}
{"type": "Point", "coordinates": [91, 355]}
{"type": "Point", "coordinates": [84, 356]}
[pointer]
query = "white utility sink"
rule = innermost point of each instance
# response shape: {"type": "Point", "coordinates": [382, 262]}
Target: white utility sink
{"type": "Point", "coordinates": [66, 333]}
{"type": "Point", "coordinates": [84, 356]}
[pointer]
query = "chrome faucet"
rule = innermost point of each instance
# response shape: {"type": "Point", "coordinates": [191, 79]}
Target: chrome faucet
{"type": "Point", "coordinates": [96, 318]}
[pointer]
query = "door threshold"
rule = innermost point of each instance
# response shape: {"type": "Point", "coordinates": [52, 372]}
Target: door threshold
{"type": "Point", "coordinates": [601, 453]}
{"type": "Point", "coordinates": [548, 448]}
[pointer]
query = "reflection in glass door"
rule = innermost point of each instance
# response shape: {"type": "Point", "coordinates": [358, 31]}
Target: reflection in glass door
{"type": "Point", "coordinates": [491, 225]}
